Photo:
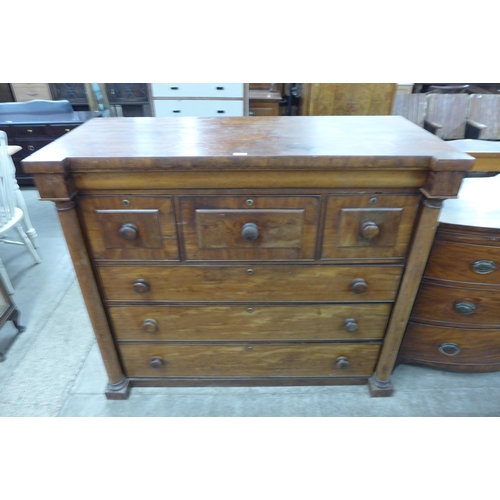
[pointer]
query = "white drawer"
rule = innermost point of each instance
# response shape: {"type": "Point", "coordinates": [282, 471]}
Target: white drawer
{"type": "Point", "coordinates": [197, 89]}
{"type": "Point", "coordinates": [198, 108]}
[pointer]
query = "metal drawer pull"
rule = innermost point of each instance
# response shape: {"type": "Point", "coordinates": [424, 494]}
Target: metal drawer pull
{"type": "Point", "coordinates": [350, 325]}
{"type": "Point", "coordinates": [30, 130]}
{"type": "Point", "coordinates": [465, 307]}
{"type": "Point", "coordinates": [157, 362]}
{"type": "Point", "coordinates": [174, 88]}
{"type": "Point", "coordinates": [250, 231]}
{"type": "Point", "coordinates": [342, 363]}
{"type": "Point", "coordinates": [176, 111]}
{"type": "Point", "coordinates": [31, 148]}
{"type": "Point", "coordinates": [129, 232]}
{"type": "Point", "coordinates": [449, 349]}
{"type": "Point", "coordinates": [359, 286]}
{"type": "Point", "coordinates": [220, 111]}
{"type": "Point", "coordinates": [141, 286]}
{"type": "Point", "coordinates": [219, 88]}
{"type": "Point", "coordinates": [483, 266]}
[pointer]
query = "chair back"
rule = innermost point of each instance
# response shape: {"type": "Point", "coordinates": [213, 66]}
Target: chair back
{"type": "Point", "coordinates": [7, 177]}
{"type": "Point", "coordinates": [450, 111]}
{"type": "Point", "coordinates": [411, 106]}
{"type": "Point", "coordinates": [485, 109]}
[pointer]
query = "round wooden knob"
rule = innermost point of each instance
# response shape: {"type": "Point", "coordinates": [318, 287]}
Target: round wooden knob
{"type": "Point", "coordinates": [369, 230]}
{"type": "Point", "coordinates": [149, 325]}
{"type": "Point", "coordinates": [342, 363]}
{"type": "Point", "coordinates": [250, 231]}
{"type": "Point", "coordinates": [157, 362]}
{"type": "Point", "coordinates": [141, 286]}
{"type": "Point", "coordinates": [350, 325]}
{"type": "Point", "coordinates": [129, 232]}
{"type": "Point", "coordinates": [359, 285]}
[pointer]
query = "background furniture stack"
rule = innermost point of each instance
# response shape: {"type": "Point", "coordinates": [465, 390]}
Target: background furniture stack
{"type": "Point", "coordinates": [264, 99]}
{"type": "Point", "coordinates": [347, 99]}
{"type": "Point", "coordinates": [199, 99]}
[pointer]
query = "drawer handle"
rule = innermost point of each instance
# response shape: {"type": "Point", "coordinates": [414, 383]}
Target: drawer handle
{"type": "Point", "coordinates": [369, 230]}
{"type": "Point", "coordinates": [359, 286]}
{"type": "Point", "coordinates": [174, 88]}
{"type": "Point", "coordinates": [67, 129]}
{"type": "Point", "coordinates": [129, 232]}
{"type": "Point", "coordinates": [483, 266]}
{"type": "Point", "coordinates": [30, 148]}
{"type": "Point", "coordinates": [157, 362]}
{"type": "Point", "coordinates": [350, 325]}
{"type": "Point", "coordinates": [250, 231]}
{"type": "Point", "coordinates": [30, 130]}
{"type": "Point", "coordinates": [219, 88]}
{"type": "Point", "coordinates": [150, 325]}
{"type": "Point", "coordinates": [176, 111]}
{"type": "Point", "coordinates": [342, 363]}
{"type": "Point", "coordinates": [465, 307]}
{"type": "Point", "coordinates": [141, 286]}
{"type": "Point", "coordinates": [449, 349]}
{"type": "Point", "coordinates": [220, 111]}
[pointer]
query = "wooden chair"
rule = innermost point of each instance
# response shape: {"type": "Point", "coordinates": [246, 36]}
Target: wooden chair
{"type": "Point", "coordinates": [447, 115]}
{"type": "Point", "coordinates": [483, 121]}
{"type": "Point", "coordinates": [11, 215]}
{"type": "Point", "coordinates": [411, 106]}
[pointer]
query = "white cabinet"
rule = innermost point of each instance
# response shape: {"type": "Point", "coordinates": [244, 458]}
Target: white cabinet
{"type": "Point", "coordinates": [199, 99]}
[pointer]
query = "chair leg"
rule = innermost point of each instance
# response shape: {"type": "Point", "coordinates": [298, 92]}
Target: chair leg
{"type": "Point", "coordinates": [6, 279]}
{"type": "Point", "coordinates": [28, 244]}
{"type": "Point", "coordinates": [26, 222]}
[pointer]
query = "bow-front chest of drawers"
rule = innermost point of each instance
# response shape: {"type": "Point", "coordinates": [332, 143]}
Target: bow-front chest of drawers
{"type": "Point", "coordinates": [248, 251]}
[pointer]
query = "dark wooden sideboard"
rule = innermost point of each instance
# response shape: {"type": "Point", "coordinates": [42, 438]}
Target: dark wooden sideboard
{"type": "Point", "coordinates": [249, 250]}
{"type": "Point", "coordinates": [455, 323]}
{"type": "Point", "coordinates": [33, 132]}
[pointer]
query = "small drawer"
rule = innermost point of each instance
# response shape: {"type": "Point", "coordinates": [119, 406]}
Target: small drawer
{"type": "Point", "coordinates": [251, 283]}
{"type": "Point", "coordinates": [29, 130]}
{"type": "Point", "coordinates": [198, 108]}
{"type": "Point", "coordinates": [30, 146]}
{"type": "Point", "coordinates": [29, 91]}
{"type": "Point", "coordinates": [478, 264]}
{"type": "Point", "coordinates": [249, 227]}
{"type": "Point", "coordinates": [436, 303]}
{"type": "Point", "coordinates": [234, 90]}
{"type": "Point", "coordinates": [377, 226]}
{"type": "Point", "coordinates": [250, 322]}
{"type": "Point", "coordinates": [130, 226]}
{"type": "Point", "coordinates": [451, 346]}
{"type": "Point", "coordinates": [59, 130]}
{"type": "Point", "coordinates": [249, 360]}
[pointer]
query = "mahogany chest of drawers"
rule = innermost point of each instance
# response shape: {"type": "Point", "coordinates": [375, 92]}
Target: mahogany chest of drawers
{"type": "Point", "coordinates": [252, 250]}
{"type": "Point", "coordinates": [455, 322]}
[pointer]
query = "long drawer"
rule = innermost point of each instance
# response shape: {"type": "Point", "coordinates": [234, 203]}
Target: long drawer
{"type": "Point", "coordinates": [255, 322]}
{"type": "Point", "coordinates": [199, 108]}
{"type": "Point", "coordinates": [299, 283]}
{"type": "Point", "coordinates": [438, 303]}
{"type": "Point", "coordinates": [470, 263]}
{"type": "Point", "coordinates": [451, 346]}
{"type": "Point", "coordinates": [255, 360]}
{"type": "Point", "coordinates": [215, 90]}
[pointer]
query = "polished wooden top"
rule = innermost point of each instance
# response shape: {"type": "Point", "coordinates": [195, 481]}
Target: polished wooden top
{"type": "Point", "coordinates": [477, 205]}
{"type": "Point", "coordinates": [253, 143]}
{"type": "Point", "coordinates": [486, 153]}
